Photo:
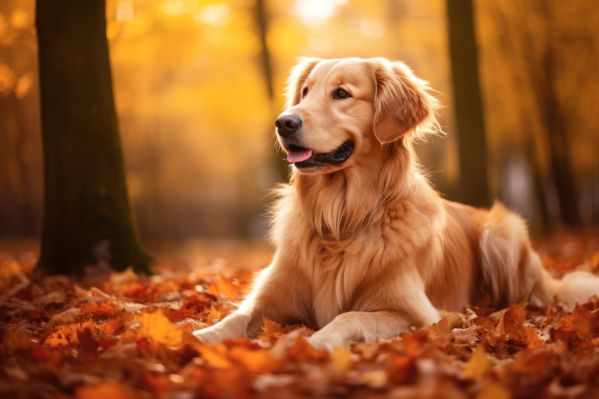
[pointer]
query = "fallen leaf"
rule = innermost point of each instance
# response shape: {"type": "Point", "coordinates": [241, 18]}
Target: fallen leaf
{"type": "Point", "coordinates": [157, 326]}
{"type": "Point", "coordinates": [105, 390]}
{"type": "Point", "coordinates": [341, 358]}
{"type": "Point", "coordinates": [477, 365]}
{"type": "Point", "coordinates": [258, 361]}
{"type": "Point", "coordinates": [376, 379]}
{"type": "Point", "coordinates": [492, 390]}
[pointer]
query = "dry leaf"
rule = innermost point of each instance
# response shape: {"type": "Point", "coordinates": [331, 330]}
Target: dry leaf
{"type": "Point", "coordinates": [105, 390]}
{"type": "Point", "coordinates": [157, 326]}
{"type": "Point", "coordinates": [478, 364]}
{"type": "Point", "coordinates": [493, 390]}
{"type": "Point", "coordinates": [341, 358]}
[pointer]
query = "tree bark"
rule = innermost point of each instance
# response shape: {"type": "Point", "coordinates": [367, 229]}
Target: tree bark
{"type": "Point", "coordinates": [261, 17]}
{"type": "Point", "coordinates": [87, 217]}
{"type": "Point", "coordinates": [555, 128]}
{"type": "Point", "coordinates": [469, 114]}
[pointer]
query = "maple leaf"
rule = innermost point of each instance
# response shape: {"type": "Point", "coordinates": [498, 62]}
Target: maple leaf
{"type": "Point", "coordinates": [222, 286]}
{"type": "Point", "coordinates": [158, 327]}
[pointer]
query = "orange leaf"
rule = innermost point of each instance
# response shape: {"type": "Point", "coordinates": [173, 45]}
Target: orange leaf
{"type": "Point", "coordinates": [493, 390]}
{"type": "Point", "coordinates": [223, 287]}
{"type": "Point", "coordinates": [512, 323]}
{"type": "Point", "coordinates": [341, 358]}
{"type": "Point", "coordinates": [258, 361]}
{"type": "Point", "coordinates": [215, 355]}
{"type": "Point", "coordinates": [68, 334]}
{"type": "Point", "coordinates": [478, 364]}
{"type": "Point", "coordinates": [158, 327]}
{"type": "Point", "coordinates": [103, 390]}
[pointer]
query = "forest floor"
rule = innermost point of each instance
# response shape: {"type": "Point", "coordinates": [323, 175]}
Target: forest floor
{"type": "Point", "coordinates": [120, 335]}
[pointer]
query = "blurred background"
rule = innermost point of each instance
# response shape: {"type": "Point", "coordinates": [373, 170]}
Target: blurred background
{"type": "Point", "coordinates": [199, 82]}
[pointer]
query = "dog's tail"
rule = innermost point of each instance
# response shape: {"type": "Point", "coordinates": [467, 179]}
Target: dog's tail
{"type": "Point", "coordinates": [513, 271]}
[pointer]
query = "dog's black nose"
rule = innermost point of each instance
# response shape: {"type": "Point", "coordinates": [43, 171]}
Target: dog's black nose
{"type": "Point", "coordinates": [288, 124]}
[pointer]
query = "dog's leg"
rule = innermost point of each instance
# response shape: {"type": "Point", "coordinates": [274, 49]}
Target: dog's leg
{"type": "Point", "coordinates": [359, 326]}
{"type": "Point", "coordinates": [412, 308]}
{"type": "Point", "coordinates": [271, 297]}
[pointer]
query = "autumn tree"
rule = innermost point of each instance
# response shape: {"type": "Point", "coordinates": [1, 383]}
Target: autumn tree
{"type": "Point", "coordinates": [536, 39]}
{"type": "Point", "coordinates": [87, 217]}
{"type": "Point", "coordinates": [262, 24]}
{"type": "Point", "coordinates": [467, 100]}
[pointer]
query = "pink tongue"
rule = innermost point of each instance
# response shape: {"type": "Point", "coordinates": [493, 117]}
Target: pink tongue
{"type": "Point", "coordinates": [299, 156]}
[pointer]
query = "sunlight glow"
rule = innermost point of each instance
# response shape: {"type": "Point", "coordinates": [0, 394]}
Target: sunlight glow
{"type": "Point", "coordinates": [314, 12]}
{"type": "Point", "coordinates": [125, 11]}
{"type": "Point", "coordinates": [173, 8]}
{"type": "Point", "coordinates": [215, 14]}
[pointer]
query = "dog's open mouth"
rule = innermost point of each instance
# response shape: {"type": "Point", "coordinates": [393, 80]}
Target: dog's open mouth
{"type": "Point", "coordinates": [306, 158]}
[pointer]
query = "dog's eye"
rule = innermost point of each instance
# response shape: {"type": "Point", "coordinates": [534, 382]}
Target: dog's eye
{"type": "Point", "coordinates": [340, 94]}
{"type": "Point", "coordinates": [304, 92]}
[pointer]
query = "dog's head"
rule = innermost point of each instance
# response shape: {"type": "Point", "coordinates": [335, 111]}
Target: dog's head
{"type": "Point", "coordinates": [340, 110]}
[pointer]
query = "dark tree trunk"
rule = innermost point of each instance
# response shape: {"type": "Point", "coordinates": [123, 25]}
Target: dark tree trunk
{"type": "Point", "coordinates": [87, 217]}
{"type": "Point", "coordinates": [261, 16]}
{"type": "Point", "coordinates": [559, 148]}
{"type": "Point", "coordinates": [469, 115]}
{"type": "Point", "coordinates": [262, 24]}
{"type": "Point", "coordinates": [539, 185]}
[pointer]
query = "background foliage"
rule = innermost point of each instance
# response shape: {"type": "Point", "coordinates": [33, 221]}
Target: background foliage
{"type": "Point", "coordinates": [196, 111]}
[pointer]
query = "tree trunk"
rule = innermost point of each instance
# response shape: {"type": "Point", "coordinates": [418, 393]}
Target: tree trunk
{"type": "Point", "coordinates": [559, 148]}
{"type": "Point", "coordinates": [469, 115]}
{"type": "Point", "coordinates": [261, 16]}
{"type": "Point", "coordinates": [87, 217]}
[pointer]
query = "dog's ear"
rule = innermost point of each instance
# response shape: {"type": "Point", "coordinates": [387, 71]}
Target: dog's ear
{"type": "Point", "coordinates": [401, 102]}
{"type": "Point", "coordinates": [296, 80]}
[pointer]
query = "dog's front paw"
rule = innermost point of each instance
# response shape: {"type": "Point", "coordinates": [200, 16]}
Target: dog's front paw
{"type": "Point", "coordinates": [232, 326]}
{"type": "Point", "coordinates": [210, 334]}
{"type": "Point", "coordinates": [325, 340]}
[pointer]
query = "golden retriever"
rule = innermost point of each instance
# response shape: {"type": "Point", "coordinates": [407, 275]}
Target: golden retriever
{"type": "Point", "coordinates": [365, 247]}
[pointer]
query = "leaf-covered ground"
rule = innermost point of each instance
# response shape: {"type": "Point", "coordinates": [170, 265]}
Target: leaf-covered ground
{"type": "Point", "coordinates": [120, 335]}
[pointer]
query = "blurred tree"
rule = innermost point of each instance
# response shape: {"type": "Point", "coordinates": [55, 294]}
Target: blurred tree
{"type": "Point", "coordinates": [533, 34]}
{"type": "Point", "coordinates": [474, 187]}
{"type": "Point", "coordinates": [20, 171]}
{"type": "Point", "coordinates": [87, 217]}
{"type": "Point", "coordinates": [544, 77]}
{"type": "Point", "coordinates": [262, 20]}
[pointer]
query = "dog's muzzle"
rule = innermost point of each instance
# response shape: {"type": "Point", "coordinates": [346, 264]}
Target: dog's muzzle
{"type": "Point", "coordinates": [335, 157]}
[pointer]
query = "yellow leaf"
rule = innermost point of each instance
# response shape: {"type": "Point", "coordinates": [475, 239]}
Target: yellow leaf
{"type": "Point", "coordinates": [375, 379]}
{"type": "Point", "coordinates": [341, 358]}
{"type": "Point", "coordinates": [159, 328]}
{"type": "Point", "coordinates": [492, 390]}
{"type": "Point", "coordinates": [478, 364]}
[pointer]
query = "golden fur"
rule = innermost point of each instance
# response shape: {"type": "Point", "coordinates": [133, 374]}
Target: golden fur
{"type": "Point", "coordinates": [368, 248]}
